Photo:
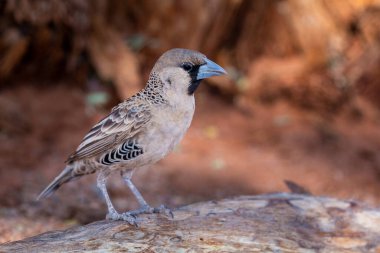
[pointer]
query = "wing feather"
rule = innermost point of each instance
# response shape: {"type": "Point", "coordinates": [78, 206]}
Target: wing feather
{"type": "Point", "coordinates": [124, 122]}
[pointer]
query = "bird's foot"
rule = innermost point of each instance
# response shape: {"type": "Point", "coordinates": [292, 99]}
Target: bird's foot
{"type": "Point", "coordinates": [131, 219]}
{"type": "Point", "coordinates": [146, 209]}
{"type": "Point", "coordinates": [162, 209]}
{"type": "Point", "coordinates": [143, 209]}
{"type": "Point", "coordinates": [131, 216]}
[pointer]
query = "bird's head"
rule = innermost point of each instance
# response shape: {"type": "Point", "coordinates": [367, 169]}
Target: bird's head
{"type": "Point", "coordinates": [182, 70]}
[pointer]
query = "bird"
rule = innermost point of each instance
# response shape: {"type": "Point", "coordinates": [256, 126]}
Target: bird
{"type": "Point", "coordinates": [142, 129]}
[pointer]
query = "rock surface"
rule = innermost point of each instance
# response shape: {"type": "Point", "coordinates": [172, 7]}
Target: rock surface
{"type": "Point", "coordinates": [279, 222]}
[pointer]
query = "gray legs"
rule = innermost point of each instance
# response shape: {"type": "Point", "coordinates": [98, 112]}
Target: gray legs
{"type": "Point", "coordinates": [127, 179]}
{"type": "Point", "coordinates": [101, 183]}
{"type": "Point", "coordinates": [144, 207]}
{"type": "Point", "coordinates": [131, 215]}
{"type": "Point", "coordinates": [112, 213]}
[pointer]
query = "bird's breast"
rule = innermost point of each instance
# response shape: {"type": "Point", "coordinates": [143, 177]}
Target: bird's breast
{"type": "Point", "coordinates": [168, 126]}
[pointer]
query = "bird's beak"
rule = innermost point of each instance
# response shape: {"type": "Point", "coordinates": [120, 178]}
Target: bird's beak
{"type": "Point", "coordinates": [210, 69]}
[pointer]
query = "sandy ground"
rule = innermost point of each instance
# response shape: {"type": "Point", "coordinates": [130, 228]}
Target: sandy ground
{"type": "Point", "coordinates": [228, 151]}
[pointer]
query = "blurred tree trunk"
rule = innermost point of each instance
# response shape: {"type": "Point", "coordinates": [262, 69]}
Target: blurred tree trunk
{"type": "Point", "coordinates": [56, 39]}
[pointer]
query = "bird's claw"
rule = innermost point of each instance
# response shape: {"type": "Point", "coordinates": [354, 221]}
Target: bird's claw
{"type": "Point", "coordinates": [162, 209]}
{"type": "Point", "coordinates": [143, 209]}
{"type": "Point", "coordinates": [131, 219]}
{"type": "Point", "coordinates": [131, 216]}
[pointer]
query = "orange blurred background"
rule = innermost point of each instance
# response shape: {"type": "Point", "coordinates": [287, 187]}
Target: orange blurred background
{"type": "Point", "coordinates": [301, 102]}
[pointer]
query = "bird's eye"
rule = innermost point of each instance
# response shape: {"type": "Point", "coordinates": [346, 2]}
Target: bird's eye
{"type": "Point", "coordinates": [187, 66]}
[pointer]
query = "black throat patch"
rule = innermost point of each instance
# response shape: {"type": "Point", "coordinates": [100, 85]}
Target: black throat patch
{"type": "Point", "coordinates": [194, 81]}
{"type": "Point", "coordinates": [193, 86]}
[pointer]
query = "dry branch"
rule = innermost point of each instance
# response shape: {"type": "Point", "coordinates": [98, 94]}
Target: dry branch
{"type": "Point", "coordinates": [266, 223]}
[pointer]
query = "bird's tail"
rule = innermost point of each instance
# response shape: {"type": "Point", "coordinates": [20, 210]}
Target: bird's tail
{"type": "Point", "coordinates": [65, 176]}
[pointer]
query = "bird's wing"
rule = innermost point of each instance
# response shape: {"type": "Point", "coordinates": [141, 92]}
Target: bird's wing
{"type": "Point", "coordinates": [124, 122]}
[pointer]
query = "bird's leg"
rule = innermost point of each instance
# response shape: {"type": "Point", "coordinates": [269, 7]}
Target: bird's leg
{"type": "Point", "coordinates": [144, 207]}
{"type": "Point", "coordinates": [112, 213]}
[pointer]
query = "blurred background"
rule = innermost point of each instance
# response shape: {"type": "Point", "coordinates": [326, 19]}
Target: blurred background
{"type": "Point", "coordinates": [301, 102]}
